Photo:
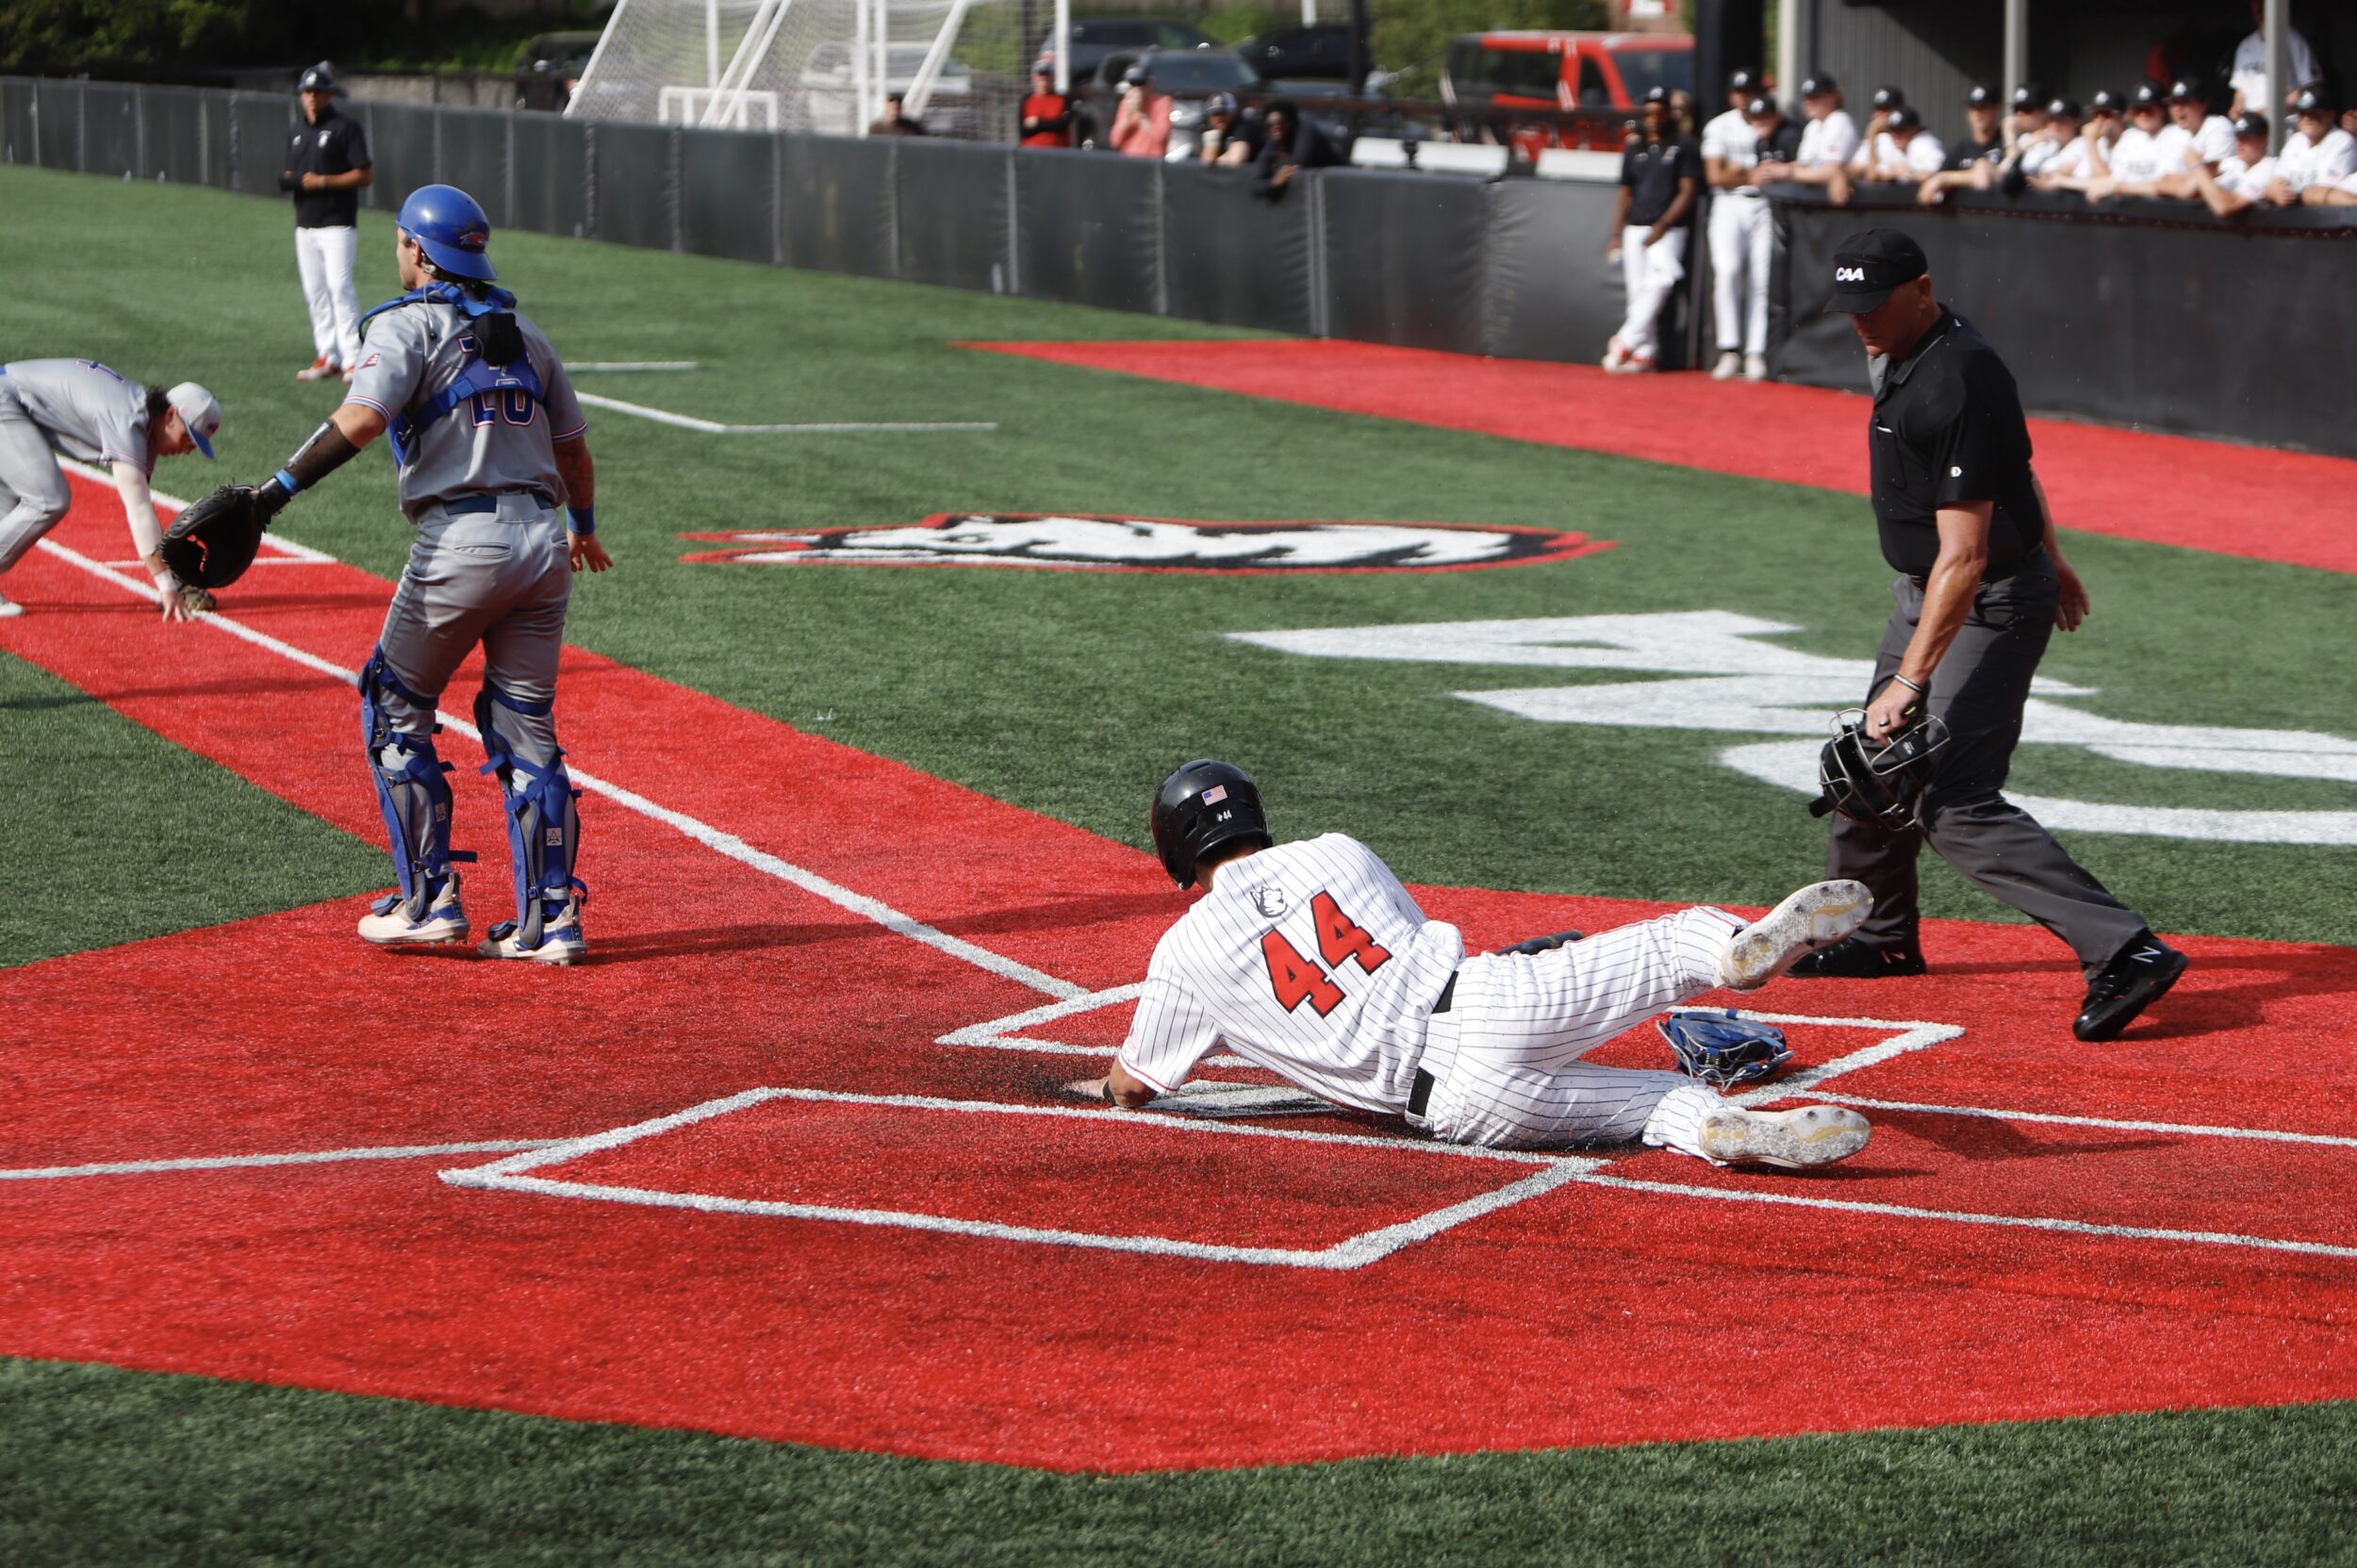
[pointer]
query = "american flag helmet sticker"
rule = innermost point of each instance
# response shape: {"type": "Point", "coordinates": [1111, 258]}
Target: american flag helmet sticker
{"type": "Point", "coordinates": [1215, 795]}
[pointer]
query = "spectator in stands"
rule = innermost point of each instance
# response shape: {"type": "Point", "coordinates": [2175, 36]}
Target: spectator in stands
{"type": "Point", "coordinates": [2025, 117]}
{"type": "Point", "coordinates": [1662, 179]}
{"type": "Point", "coordinates": [1887, 101]}
{"type": "Point", "coordinates": [1828, 142]}
{"type": "Point", "coordinates": [2058, 131]}
{"type": "Point", "coordinates": [1972, 164]}
{"type": "Point", "coordinates": [2189, 108]}
{"type": "Point", "coordinates": [2249, 77]}
{"type": "Point", "coordinates": [2147, 149]}
{"type": "Point", "coordinates": [1141, 123]}
{"type": "Point", "coordinates": [1743, 235]}
{"type": "Point", "coordinates": [2240, 181]}
{"type": "Point", "coordinates": [2083, 160]}
{"type": "Point", "coordinates": [2317, 152]}
{"type": "Point", "coordinates": [1047, 113]}
{"type": "Point", "coordinates": [1904, 152]}
{"type": "Point", "coordinates": [1230, 139]}
{"type": "Point", "coordinates": [896, 120]}
{"type": "Point", "coordinates": [1289, 145]}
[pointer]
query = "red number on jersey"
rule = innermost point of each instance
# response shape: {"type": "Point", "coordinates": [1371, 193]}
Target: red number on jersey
{"type": "Point", "coordinates": [1340, 938]}
{"type": "Point", "coordinates": [1295, 979]}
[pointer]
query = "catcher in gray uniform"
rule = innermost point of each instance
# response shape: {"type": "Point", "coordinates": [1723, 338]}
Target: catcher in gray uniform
{"type": "Point", "coordinates": [94, 415]}
{"type": "Point", "coordinates": [489, 441]}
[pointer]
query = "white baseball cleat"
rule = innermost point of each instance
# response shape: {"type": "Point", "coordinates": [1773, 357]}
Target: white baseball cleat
{"type": "Point", "coordinates": [561, 939]}
{"type": "Point", "coordinates": [319, 370]}
{"type": "Point", "coordinates": [9, 607]}
{"type": "Point", "coordinates": [1817, 916]}
{"type": "Point", "coordinates": [388, 924]}
{"type": "Point", "coordinates": [1755, 367]}
{"type": "Point", "coordinates": [1730, 365]}
{"type": "Point", "coordinates": [1789, 1140]}
{"type": "Point", "coordinates": [1615, 355]}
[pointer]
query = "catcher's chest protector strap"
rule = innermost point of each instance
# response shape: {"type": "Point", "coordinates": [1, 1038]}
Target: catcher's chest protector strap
{"type": "Point", "coordinates": [543, 823]}
{"type": "Point", "coordinates": [494, 384]}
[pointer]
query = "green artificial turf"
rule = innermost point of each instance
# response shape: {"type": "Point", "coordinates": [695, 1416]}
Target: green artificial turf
{"type": "Point", "coordinates": [106, 1467]}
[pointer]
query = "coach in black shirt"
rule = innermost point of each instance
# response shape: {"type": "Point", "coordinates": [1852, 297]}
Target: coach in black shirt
{"type": "Point", "coordinates": [1981, 586]}
{"type": "Point", "coordinates": [1661, 178]}
{"type": "Point", "coordinates": [327, 167]}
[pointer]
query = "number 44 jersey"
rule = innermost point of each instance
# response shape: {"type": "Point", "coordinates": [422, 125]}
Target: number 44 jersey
{"type": "Point", "coordinates": [1308, 959]}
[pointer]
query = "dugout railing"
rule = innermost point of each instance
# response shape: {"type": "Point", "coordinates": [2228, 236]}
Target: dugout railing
{"type": "Point", "coordinates": [2171, 319]}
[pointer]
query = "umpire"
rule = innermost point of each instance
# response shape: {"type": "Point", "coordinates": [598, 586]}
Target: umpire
{"type": "Point", "coordinates": [1981, 586]}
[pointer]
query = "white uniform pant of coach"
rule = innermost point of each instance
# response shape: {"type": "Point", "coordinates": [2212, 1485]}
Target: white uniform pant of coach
{"type": "Point", "coordinates": [324, 257]}
{"type": "Point", "coordinates": [1505, 1059]}
{"type": "Point", "coordinates": [1742, 244]}
{"type": "Point", "coordinates": [1650, 272]}
{"type": "Point", "coordinates": [500, 578]}
{"type": "Point", "coordinates": [32, 487]}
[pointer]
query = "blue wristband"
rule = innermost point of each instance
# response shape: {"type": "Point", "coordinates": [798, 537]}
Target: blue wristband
{"type": "Point", "coordinates": [584, 519]}
{"type": "Point", "coordinates": [286, 479]}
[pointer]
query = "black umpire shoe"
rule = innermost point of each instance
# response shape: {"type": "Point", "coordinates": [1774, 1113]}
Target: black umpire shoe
{"type": "Point", "coordinates": [2140, 976]}
{"type": "Point", "coordinates": [1855, 960]}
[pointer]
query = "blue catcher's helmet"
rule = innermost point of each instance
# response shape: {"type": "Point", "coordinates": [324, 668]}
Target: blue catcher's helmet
{"type": "Point", "coordinates": [449, 225]}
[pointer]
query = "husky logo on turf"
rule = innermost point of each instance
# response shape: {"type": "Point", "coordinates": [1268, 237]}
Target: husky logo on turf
{"type": "Point", "coordinates": [1090, 544]}
{"type": "Point", "coordinates": [1849, 274]}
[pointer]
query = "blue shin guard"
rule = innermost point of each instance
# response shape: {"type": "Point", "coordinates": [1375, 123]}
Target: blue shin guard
{"type": "Point", "coordinates": [543, 825]}
{"type": "Point", "coordinates": [411, 789]}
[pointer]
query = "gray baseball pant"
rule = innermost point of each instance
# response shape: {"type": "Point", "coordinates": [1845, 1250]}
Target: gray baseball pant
{"type": "Point", "coordinates": [1979, 689]}
{"type": "Point", "coordinates": [501, 579]}
{"type": "Point", "coordinates": [29, 477]}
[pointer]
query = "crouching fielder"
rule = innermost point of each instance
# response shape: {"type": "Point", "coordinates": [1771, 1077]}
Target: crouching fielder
{"type": "Point", "coordinates": [490, 440]}
{"type": "Point", "coordinates": [1310, 959]}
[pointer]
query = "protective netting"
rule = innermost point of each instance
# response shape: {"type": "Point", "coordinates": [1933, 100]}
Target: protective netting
{"type": "Point", "coordinates": [812, 65]}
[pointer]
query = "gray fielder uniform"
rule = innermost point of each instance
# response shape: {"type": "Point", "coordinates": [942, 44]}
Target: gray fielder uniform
{"type": "Point", "coordinates": [490, 565]}
{"type": "Point", "coordinates": [76, 406]}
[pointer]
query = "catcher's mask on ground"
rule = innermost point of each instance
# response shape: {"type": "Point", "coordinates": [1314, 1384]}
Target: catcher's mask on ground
{"type": "Point", "coordinates": [1198, 808]}
{"type": "Point", "coordinates": [1868, 782]}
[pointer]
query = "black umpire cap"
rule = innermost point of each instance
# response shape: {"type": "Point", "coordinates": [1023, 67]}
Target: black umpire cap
{"type": "Point", "coordinates": [320, 78]}
{"type": "Point", "coordinates": [1869, 266]}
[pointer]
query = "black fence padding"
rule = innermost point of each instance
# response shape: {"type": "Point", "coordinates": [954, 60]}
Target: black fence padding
{"type": "Point", "coordinates": [59, 106]}
{"type": "Point", "coordinates": [2132, 323]}
{"type": "Point", "coordinates": [551, 176]}
{"type": "Point", "coordinates": [262, 124]}
{"type": "Point", "coordinates": [952, 201]}
{"type": "Point", "coordinates": [834, 205]}
{"type": "Point", "coordinates": [110, 130]}
{"type": "Point", "coordinates": [473, 157]}
{"type": "Point", "coordinates": [401, 145]}
{"type": "Point", "coordinates": [1087, 229]}
{"type": "Point", "coordinates": [172, 135]}
{"type": "Point", "coordinates": [728, 194]}
{"type": "Point", "coordinates": [1549, 293]}
{"type": "Point", "coordinates": [634, 194]}
{"type": "Point", "coordinates": [1229, 257]}
{"type": "Point", "coordinates": [16, 122]}
{"type": "Point", "coordinates": [1402, 258]}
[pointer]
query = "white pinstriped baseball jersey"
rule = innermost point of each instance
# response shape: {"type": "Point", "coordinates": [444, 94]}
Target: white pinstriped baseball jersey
{"type": "Point", "coordinates": [1308, 959]}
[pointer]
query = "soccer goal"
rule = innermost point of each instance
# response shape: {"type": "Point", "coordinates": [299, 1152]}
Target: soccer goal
{"type": "Point", "coordinates": [814, 65]}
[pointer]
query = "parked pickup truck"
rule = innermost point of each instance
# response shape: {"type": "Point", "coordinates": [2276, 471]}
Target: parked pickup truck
{"type": "Point", "coordinates": [1562, 71]}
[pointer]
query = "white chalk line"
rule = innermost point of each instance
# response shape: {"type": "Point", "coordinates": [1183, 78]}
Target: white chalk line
{"type": "Point", "coordinates": [509, 1175]}
{"type": "Point", "coordinates": [613, 365]}
{"type": "Point", "coordinates": [2109, 1124]}
{"type": "Point", "coordinates": [713, 838]}
{"type": "Point", "coordinates": [245, 1162]}
{"type": "Point", "coordinates": [714, 427]}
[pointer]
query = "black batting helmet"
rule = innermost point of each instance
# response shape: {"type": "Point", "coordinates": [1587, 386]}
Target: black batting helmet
{"type": "Point", "coordinates": [1883, 783]}
{"type": "Point", "coordinates": [1203, 805]}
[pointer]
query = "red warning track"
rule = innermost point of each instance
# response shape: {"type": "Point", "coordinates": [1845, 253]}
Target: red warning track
{"type": "Point", "coordinates": [1576, 1317]}
{"type": "Point", "coordinates": [2285, 507]}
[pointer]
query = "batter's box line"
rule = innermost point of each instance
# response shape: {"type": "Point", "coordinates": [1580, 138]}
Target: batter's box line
{"type": "Point", "coordinates": [1900, 1038]}
{"type": "Point", "coordinates": [1546, 1172]}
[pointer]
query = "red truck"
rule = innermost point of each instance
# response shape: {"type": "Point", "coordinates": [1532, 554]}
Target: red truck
{"type": "Point", "coordinates": [1560, 70]}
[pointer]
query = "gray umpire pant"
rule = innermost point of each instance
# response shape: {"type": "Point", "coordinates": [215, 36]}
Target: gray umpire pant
{"type": "Point", "coordinates": [1979, 690]}
{"type": "Point", "coordinates": [500, 578]}
{"type": "Point", "coordinates": [31, 483]}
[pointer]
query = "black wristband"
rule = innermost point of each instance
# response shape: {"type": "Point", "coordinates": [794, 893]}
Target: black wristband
{"type": "Point", "coordinates": [1108, 1091]}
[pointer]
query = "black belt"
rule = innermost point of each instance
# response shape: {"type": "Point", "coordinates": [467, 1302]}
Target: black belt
{"type": "Point", "coordinates": [489, 501]}
{"type": "Point", "coordinates": [1420, 1087]}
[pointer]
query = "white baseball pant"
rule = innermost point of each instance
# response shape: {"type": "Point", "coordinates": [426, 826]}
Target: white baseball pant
{"type": "Point", "coordinates": [1742, 242]}
{"type": "Point", "coordinates": [1650, 272]}
{"type": "Point", "coordinates": [324, 257]}
{"type": "Point", "coordinates": [1506, 1062]}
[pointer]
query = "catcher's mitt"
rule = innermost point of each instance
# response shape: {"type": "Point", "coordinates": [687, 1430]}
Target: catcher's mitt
{"type": "Point", "coordinates": [1722, 1049]}
{"type": "Point", "coordinates": [211, 543]}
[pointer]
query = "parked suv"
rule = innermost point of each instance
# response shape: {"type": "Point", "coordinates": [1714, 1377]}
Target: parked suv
{"type": "Point", "coordinates": [1095, 36]}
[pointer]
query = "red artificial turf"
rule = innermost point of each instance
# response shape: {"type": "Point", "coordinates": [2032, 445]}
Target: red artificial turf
{"type": "Point", "coordinates": [2294, 508]}
{"type": "Point", "coordinates": [1570, 1318]}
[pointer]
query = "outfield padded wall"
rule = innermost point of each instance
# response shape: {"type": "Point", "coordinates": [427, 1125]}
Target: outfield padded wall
{"type": "Point", "coordinates": [2143, 320]}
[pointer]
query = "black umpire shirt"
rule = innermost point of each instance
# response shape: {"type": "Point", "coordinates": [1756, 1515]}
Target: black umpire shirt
{"type": "Point", "coordinates": [1947, 428]}
{"type": "Point", "coordinates": [1652, 170]}
{"type": "Point", "coordinates": [337, 145]}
